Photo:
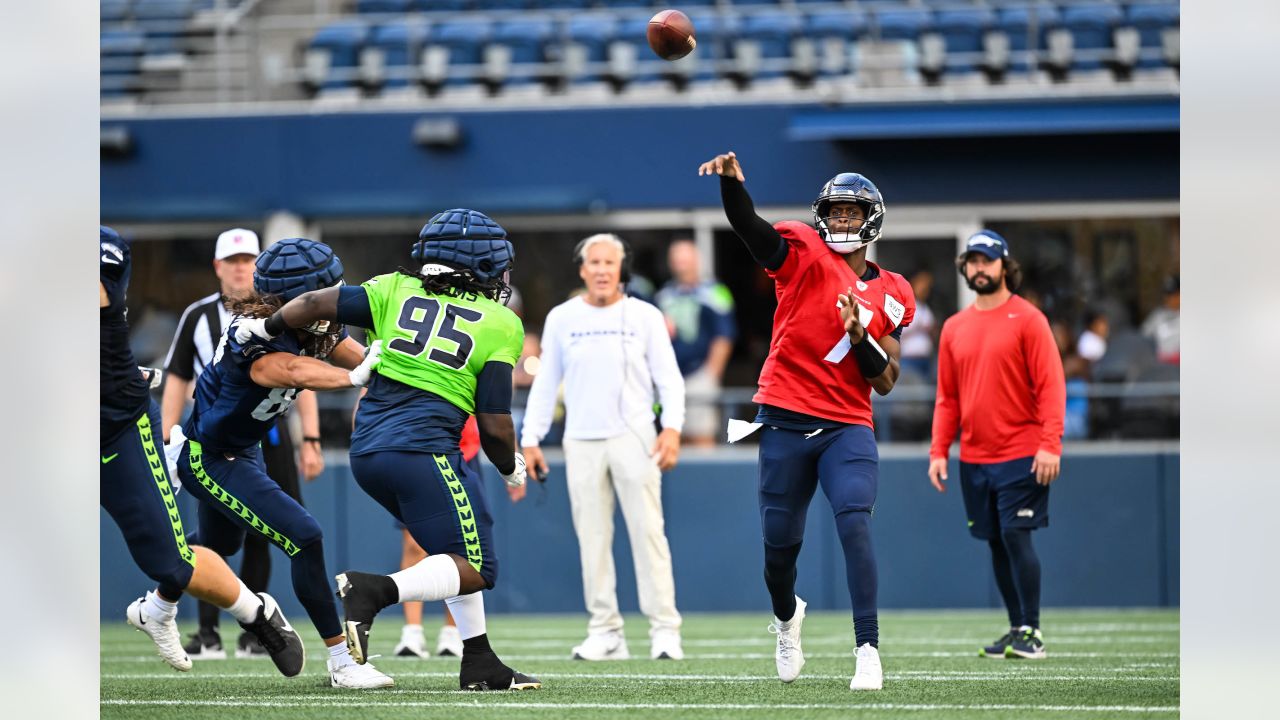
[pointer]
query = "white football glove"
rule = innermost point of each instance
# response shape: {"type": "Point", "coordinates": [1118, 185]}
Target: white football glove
{"type": "Point", "coordinates": [173, 451]}
{"type": "Point", "coordinates": [364, 371]}
{"type": "Point", "coordinates": [250, 328]}
{"type": "Point", "coordinates": [518, 475]}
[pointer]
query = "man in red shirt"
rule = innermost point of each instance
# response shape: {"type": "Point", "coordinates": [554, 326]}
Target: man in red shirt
{"type": "Point", "coordinates": [835, 337]}
{"type": "Point", "coordinates": [1000, 382]}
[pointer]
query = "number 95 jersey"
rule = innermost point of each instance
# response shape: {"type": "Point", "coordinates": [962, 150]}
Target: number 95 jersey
{"type": "Point", "coordinates": [439, 343]}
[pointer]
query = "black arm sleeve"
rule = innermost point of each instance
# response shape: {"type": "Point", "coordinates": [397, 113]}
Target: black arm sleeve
{"type": "Point", "coordinates": [763, 242]}
{"type": "Point", "coordinates": [353, 306]}
{"type": "Point", "coordinates": [493, 389]}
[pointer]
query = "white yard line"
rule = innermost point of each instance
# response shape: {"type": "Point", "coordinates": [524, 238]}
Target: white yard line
{"type": "Point", "coordinates": [925, 675]}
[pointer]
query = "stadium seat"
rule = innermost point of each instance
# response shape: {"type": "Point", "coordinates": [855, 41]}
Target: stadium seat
{"type": "Point", "coordinates": [501, 6]}
{"type": "Point", "coordinates": [891, 55]}
{"type": "Point", "coordinates": [623, 4]}
{"type": "Point", "coordinates": [1090, 28]}
{"type": "Point", "coordinates": [832, 35]}
{"type": "Point", "coordinates": [165, 23]}
{"type": "Point", "coordinates": [562, 4]}
{"type": "Point", "coordinates": [1021, 35]}
{"type": "Point", "coordinates": [113, 11]}
{"type": "Point", "coordinates": [516, 53]}
{"type": "Point", "coordinates": [334, 54]}
{"type": "Point", "coordinates": [455, 51]}
{"type": "Point", "coordinates": [956, 45]}
{"type": "Point", "coordinates": [390, 57]}
{"type": "Point", "coordinates": [440, 5]}
{"type": "Point", "coordinates": [587, 49]}
{"type": "Point", "coordinates": [1157, 26]}
{"type": "Point", "coordinates": [762, 49]}
{"type": "Point", "coordinates": [716, 36]}
{"type": "Point", "coordinates": [382, 6]}
{"type": "Point", "coordinates": [121, 57]}
{"type": "Point", "coordinates": [630, 58]}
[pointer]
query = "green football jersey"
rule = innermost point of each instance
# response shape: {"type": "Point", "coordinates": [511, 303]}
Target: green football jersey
{"type": "Point", "coordinates": [439, 343]}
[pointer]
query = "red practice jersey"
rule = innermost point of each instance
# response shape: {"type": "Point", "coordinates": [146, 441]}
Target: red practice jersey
{"type": "Point", "coordinates": [811, 368]}
{"type": "Point", "coordinates": [1000, 382]}
{"type": "Point", "coordinates": [470, 439]}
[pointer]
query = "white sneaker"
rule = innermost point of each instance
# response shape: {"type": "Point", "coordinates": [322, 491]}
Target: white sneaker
{"type": "Point", "coordinates": [358, 677]}
{"type": "Point", "coordinates": [788, 656]}
{"type": "Point", "coordinates": [868, 675]}
{"type": "Point", "coordinates": [449, 641]}
{"type": "Point", "coordinates": [610, 645]}
{"type": "Point", "coordinates": [665, 645]}
{"type": "Point", "coordinates": [412, 643]}
{"type": "Point", "coordinates": [163, 632]}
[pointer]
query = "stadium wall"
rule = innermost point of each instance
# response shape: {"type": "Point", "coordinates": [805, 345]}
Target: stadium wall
{"type": "Point", "coordinates": [353, 164]}
{"type": "Point", "coordinates": [1112, 539]}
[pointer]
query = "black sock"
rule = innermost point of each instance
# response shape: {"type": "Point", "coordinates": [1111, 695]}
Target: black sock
{"type": "Point", "coordinates": [860, 570]}
{"type": "Point", "coordinates": [1004, 581]}
{"type": "Point", "coordinates": [477, 644]}
{"type": "Point", "coordinates": [208, 614]}
{"type": "Point", "coordinates": [780, 579]}
{"type": "Point", "coordinates": [1026, 572]}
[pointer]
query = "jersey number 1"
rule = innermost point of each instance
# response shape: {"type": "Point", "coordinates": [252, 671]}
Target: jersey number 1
{"type": "Point", "coordinates": [421, 327]}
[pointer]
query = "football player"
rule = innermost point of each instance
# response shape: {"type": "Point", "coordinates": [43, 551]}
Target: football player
{"type": "Point", "coordinates": [135, 490]}
{"type": "Point", "coordinates": [451, 347]}
{"type": "Point", "coordinates": [835, 338]}
{"type": "Point", "coordinates": [237, 400]}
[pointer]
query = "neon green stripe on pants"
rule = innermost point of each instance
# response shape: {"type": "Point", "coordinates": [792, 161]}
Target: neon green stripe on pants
{"type": "Point", "coordinates": [466, 517]}
{"type": "Point", "coordinates": [239, 508]}
{"type": "Point", "coordinates": [157, 463]}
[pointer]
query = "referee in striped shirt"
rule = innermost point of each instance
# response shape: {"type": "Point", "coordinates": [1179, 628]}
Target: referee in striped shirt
{"type": "Point", "coordinates": [193, 348]}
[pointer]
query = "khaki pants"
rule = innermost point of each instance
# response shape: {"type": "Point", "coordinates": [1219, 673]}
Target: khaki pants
{"type": "Point", "coordinates": [597, 472]}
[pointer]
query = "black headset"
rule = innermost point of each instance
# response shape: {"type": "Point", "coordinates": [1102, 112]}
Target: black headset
{"type": "Point", "coordinates": [624, 275]}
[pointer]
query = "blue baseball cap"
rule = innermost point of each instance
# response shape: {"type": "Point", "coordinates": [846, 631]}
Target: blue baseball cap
{"type": "Point", "coordinates": [987, 242]}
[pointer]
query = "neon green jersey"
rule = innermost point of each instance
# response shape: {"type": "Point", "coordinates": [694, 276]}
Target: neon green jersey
{"type": "Point", "coordinates": [439, 342]}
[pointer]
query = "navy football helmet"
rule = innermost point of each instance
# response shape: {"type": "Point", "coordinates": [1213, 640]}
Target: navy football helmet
{"type": "Point", "coordinates": [295, 266]}
{"type": "Point", "coordinates": [849, 188]}
{"type": "Point", "coordinates": [466, 239]}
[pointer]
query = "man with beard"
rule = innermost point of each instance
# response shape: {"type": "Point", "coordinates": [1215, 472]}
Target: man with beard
{"type": "Point", "coordinates": [1000, 382]}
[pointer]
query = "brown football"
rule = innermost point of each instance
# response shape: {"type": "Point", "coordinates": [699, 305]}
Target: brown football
{"type": "Point", "coordinates": [671, 35]}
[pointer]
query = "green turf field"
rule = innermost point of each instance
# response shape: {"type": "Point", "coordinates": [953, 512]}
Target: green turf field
{"type": "Point", "coordinates": [1102, 664]}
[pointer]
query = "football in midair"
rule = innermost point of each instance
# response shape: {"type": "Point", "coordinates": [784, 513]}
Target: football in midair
{"type": "Point", "coordinates": [671, 35]}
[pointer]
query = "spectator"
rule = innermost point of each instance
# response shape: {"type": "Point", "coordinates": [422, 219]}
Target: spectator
{"type": "Point", "coordinates": [1076, 371]}
{"type": "Point", "coordinates": [1162, 324]}
{"type": "Point", "coordinates": [919, 337]}
{"type": "Point", "coordinates": [1092, 345]}
{"type": "Point", "coordinates": [701, 315]}
{"type": "Point", "coordinates": [612, 350]}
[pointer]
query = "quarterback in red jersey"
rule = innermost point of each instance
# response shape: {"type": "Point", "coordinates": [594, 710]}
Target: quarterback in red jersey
{"type": "Point", "coordinates": [835, 338]}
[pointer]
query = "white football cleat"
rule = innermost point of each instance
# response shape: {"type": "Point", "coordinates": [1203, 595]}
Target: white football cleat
{"type": "Point", "coordinates": [665, 645]}
{"type": "Point", "coordinates": [412, 643]}
{"type": "Point", "coordinates": [163, 632]}
{"type": "Point", "coordinates": [788, 656]}
{"type": "Point", "coordinates": [449, 641]}
{"type": "Point", "coordinates": [609, 645]}
{"type": "Point", "coordinates": [358, 677]}
{"type": "Point", "coordinates": [868, 675]}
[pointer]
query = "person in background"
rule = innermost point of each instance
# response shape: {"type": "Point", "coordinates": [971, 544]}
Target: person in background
{"type": "Point", "coordinates": [1092, 345]}
{"type": "Point", "coordinates": [919, 337]}
{"type": "Point", "coordinates": [700, 314]}
{"type": "Point", "coordinates": [1162, 324]}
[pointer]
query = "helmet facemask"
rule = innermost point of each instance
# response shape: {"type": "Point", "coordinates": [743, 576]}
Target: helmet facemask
{"type": "Point", "coordinates": [849, 241]}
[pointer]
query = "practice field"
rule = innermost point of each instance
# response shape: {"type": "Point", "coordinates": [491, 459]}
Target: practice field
{"type": "Point", "coordinates": [1102, 664]}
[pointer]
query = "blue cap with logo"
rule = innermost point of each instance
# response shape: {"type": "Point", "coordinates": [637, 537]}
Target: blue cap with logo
{"type": "Point", "coordinates": [987, 242]}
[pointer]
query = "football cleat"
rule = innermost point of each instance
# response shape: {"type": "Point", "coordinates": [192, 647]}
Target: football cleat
{"type": "Point", "coordinates": [788, 656]}
{"type": "Point", "coordinates": [1027, 644]}
{"type": "Point", "coordinates": [358, 677]}
{"type": "Point", "coordinates": [868, 674]}
{"type": "Point", "coordinates": [163, 632]}
{"type": "Point", "coordinates": [997, 648]}
{"type": "Point", "coordinates": [360, 603]}
{"type": "Point", "coordinates": [665, 645]}
{"type": "Point", "coordinates": [277, 637]}
{"type": "Point", "coordinates": [449, 642]}
{"type": "Point", "coordinates": [205, 644]}
{"type": "Point", "coordinates": [248, 647]}
{"type": "Point", "coordinates": [608, 645]}
{"type": "Point", "coordinates": [411, 644]}
{"type": "Point", "coordinates": [485, 672]}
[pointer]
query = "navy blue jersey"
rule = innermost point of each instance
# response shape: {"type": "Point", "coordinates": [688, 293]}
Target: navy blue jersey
{"type": "Point", "coordinates": [233, 413]}
{"type": "Point", "coordinates": [396, 416]}
{"type": "Point", "coordinates": [123, 391]}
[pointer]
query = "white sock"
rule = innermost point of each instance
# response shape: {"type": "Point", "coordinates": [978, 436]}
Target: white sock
{"type": "Point", "coordinates": [434, 578]}
{"type": "Point", "coordinates": [159, 608]}
{"type": "Point", "coordinates": [468, 613]}
{"type": "Point", "coordinates": [340, 656]}
{"type": "Point", "coordinates": [245, 608]}
{"type": "Point", "coordinates": [411, 630]}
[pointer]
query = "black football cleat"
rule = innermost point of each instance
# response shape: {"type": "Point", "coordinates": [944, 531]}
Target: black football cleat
{"type": "Point", "coordinates": [278, 637]}
{"type": "Point", "coordinates": [484, 671]}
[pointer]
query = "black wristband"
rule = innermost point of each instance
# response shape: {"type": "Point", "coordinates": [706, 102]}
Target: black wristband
{"type": "Point", "coordinates": [871, 361]}
{"type": "Point", "coordinates": [312, 438]}
{"type": "Point", "coordinates": [275, 324]}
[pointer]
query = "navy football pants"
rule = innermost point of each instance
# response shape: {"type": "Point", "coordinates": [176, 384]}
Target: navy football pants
{"type": "Point", "coordinates": [134, 489]}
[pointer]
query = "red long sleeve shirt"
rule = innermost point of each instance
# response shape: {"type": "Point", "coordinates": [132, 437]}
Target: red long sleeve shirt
{"type": "Point", "coordinates": [1000, 382]}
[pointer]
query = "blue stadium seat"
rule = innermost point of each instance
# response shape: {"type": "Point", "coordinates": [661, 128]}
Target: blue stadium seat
{"type": "Point", "coordinates": [619, 4]}
{"type": "Point", "coordinates": [767, 37]}
{"type": "Point", "coordinates": [399, 42]}
{"type": "Point", "coordinates": [903, 23]}
{"type": "Point", "coordinates": [341, 43]}
{"type": "Point", "coordinates": [1152, 21]}
{"type": "Point", "coordinates": [835, 32]}
{"type": "Point", "coordinates": [630, 58]}
{"type": "Point", "coordinates": [526, 40]}
{"type": "Point", "coordinates": [441, 5]}
{"type": "Point", "coordinates": [113, 11]}
{"type": "Point", "coordinates": [382, 6]}
{"type": "Point", "coordinates": [562, 4]}
{"type": "Point", "coordinates": [498, 6]}
{"type": "Point", "coordinates": [164, 21]}
{"type": "Point", "coordinates": [1091, 27]}
{"type": "Point", "coordinates": [715, 35]}
{"type": "Point", "coordinates": [1026, 29]}
{"type": "Point", "coordinates": [588, 43]}
{"type": "Point", "coordinates": [120, 57]}
{"type": "Point", "coordinates": [962, 31]}
{"type": "Point", "coordinates": [462, 40]}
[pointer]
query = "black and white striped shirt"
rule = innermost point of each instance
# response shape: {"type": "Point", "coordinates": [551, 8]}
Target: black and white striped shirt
{"type": "Point", "coordinates": [199, 332]}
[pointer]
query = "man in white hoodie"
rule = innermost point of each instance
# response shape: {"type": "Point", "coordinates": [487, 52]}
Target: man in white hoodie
{"type": "Point", "coordinates": [612, 351]}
